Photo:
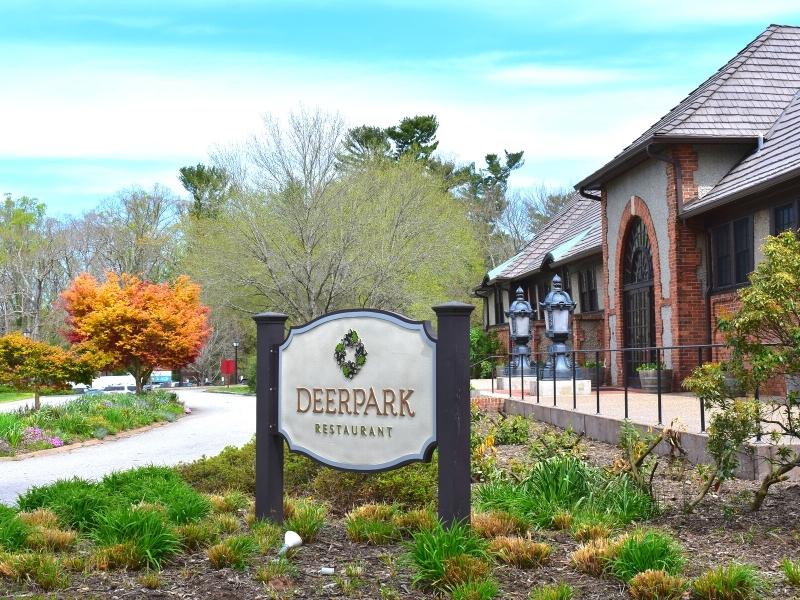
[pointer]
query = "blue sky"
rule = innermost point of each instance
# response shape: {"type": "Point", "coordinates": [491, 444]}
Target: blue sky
{"type": "Point", "coordinates": [98, 96]}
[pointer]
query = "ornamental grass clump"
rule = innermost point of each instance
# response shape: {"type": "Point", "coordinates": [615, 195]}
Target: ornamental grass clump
{"type": "Point", "coordinates": [51, 540]}
{"type": "Point", "coordinates": [519, 552]}
{"type": "Point", "coordinates": [42, 569]}
{"type": "Point", "coordinates": [41, 517]}
{"type": "Point", "coordinates": [647, 550]}
{"type": "Point", "coordinates": [791, 570]}
{"type": "Point", "coordinates": [475, 590]}
{"type": "Point", "coordinates": [430, 549]}
{"type": "Point", "coordinates": [234, 552]}
{"type": "Point", "coordinates": [591, 531]}
{"type": "Point", "coordinates": [412, 521]}
{"type": "Point", "coordinates": [225, 523]}
{"type": "Point", "coordinates": [593, 558]}
{"type": "Point", "coordinates": [463, 568]}
{"type": "Point", "coordinates": [656, 585]}
{"type": "Point", "coordinates": [196, 536]}
{"type": "Point", "coordinates": [267, 534]}
{"type": "Point", "coordinates": [564, 485]}
{"type": "Point", "coordinates": [373, 524]}
{"type": "Point", "coordinates": [308, 518]}
{"type": "Point", "coordinates": [729, 582]}
{"type": "Point", "coordinates": [13, 530]}
{"type": "Point", "coordinates": [561, 591]}
{"type": "Point", "coordinates": [495, 523]}
{"type": "Point", "coordinates": [276, 569]}
{"type": "Point", "coordinates": [153, 538]}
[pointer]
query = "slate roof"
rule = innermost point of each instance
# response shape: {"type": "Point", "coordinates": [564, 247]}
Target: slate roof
{"type": "Point", "coordinates": [574, 232]}
{"type": "Point", "coordinates": [777, 159]}
{"type": "Point", "coordinates": [741, 100]}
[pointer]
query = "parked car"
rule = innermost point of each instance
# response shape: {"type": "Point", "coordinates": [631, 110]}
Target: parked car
{"type": "Point", "coordinates": [93, 392]}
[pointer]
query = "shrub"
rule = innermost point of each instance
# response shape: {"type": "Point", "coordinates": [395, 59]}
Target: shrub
{"type": "Point", "coordinates": [429, 549]}
{"type": "Point", "coordinates": [729, 582]}
{"type": "Point", "coordinates": [494, 523]}
{"type": "Point", "coordinates": [791, 571]}
{"type": "Point", "coordinates": [475, 590]}
{"type": "Point", "coordinates": [520, 552]}
{"type": "Point", "coordinates": [482, 347]}
{"type": "Point", "coordinates": [647, 550]}
{"type": "Point", "coordinates": [656, 585]}
{"type": "Point", "coordinates": [233, 552]}
{"type": "Point", "coordinates": [307, 519]}
{"type": "Point", "coordinates": [153, 539]}
{"type": "Point", "coordinates": [511, 430]}
{"type": "Point", "coordinates": [234, 469]}
{"type": "Point", "coordinates": [562, 591]}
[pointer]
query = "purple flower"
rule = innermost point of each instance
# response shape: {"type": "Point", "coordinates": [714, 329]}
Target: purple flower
{"type": "Point", "coordinates": [187, 411]}
{"type": "Point", "coordinates": [56, 442]}
{"type": "Point", "coordinates": [32, 434]}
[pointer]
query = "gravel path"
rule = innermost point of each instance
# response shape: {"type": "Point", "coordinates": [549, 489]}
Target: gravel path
{"type": "Point", "coordinates": [217, 420]}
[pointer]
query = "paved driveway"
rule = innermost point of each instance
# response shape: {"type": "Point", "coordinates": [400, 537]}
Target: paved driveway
{"type": "Point", "coordinates": [217, 420]}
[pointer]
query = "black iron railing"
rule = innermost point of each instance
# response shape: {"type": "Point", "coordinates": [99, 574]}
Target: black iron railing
{"type": "Point", "coordinates": [596, 357]}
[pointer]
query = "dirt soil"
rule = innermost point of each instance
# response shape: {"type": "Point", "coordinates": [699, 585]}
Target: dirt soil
{"type": "Point", "coordinates": [721, 530]}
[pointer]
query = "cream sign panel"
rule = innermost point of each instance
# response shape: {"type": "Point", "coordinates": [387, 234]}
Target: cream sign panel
{"type": "Point", "coordinates": [357, 390]}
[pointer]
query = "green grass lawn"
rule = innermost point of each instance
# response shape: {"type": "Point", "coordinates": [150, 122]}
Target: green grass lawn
{"type": "Point", "coordinates": [11, 396]}
{"type": "Point", "coordinates": [234, 389]}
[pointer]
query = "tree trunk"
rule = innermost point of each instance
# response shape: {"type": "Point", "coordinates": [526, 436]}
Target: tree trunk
{"type": "Point", "coordinates": [775, 476]}
{"type": "Point", "coordinates": [36, 401]}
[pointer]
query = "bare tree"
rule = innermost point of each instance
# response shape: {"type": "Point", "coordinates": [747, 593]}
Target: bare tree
{"type": "Point", "coordinates": [304, 239]}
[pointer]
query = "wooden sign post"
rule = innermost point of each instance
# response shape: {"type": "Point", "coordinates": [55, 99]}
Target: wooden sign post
{"type": "Point", "coordinates": [364, 390]}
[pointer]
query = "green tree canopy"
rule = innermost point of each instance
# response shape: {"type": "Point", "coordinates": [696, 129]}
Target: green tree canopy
{"type": "Point", "coordinates": [210, 187]}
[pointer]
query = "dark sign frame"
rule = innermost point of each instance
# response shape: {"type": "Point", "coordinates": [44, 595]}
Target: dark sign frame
{"type": "Point", "coordinates": [452, 412]}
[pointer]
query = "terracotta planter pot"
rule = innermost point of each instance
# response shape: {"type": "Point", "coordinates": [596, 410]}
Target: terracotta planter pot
{"type": "Point", "coordinates": [649, 381]}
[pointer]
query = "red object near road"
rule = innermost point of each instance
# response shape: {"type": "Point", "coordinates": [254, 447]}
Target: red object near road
{"type": "Point", "coordinates": [227, 366]}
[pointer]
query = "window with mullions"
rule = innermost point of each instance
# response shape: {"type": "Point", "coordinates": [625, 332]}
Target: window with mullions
{"type": "Point", "coordinates": [499, 313]}
{"type": "Point", "coordinates": [588, 290]}
{"type": "Point", "coordinates": [785, 218]}
{"type": "Point", "coordinates": [732, 249]}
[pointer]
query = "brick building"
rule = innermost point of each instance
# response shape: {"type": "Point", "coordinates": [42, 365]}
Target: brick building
{"type": "Point", "coordinates": [672, 225]}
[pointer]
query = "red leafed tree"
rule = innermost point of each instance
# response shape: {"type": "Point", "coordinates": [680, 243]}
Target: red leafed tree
{"type": "Point", "coordinates": [28, 365]}
{"type": "Point", "coordinates": [136, 325]}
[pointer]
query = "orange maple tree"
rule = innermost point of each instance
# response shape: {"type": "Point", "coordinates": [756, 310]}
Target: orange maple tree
{"type": "Point", "coordinates": [136, 325]}
{"type": "Point", "coordinates": [31, 366]}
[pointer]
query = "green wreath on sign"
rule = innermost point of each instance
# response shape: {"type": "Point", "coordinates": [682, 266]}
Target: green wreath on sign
{"type": "Point", "coordinates": [350, 367]}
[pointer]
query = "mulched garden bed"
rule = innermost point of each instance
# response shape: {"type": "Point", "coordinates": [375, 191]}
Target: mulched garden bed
{"type": "Point", "coordinates": [720, 531]}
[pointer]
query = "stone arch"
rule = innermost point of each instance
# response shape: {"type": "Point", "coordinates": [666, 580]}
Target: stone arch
{"type": "Point", "coordinates": [636, 209]}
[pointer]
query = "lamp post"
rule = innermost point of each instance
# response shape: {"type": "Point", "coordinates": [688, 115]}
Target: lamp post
{"type": "Point", "coordinates": [557, 306]}
{"type": "Point", "coordinates": [519, 318]}
{"type": "Point", "coordinates": [235, 362]}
